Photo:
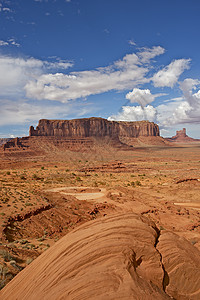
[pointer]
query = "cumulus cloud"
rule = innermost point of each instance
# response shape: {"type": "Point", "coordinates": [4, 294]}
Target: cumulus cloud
{"type": "Point", "coordinates": [40, 80]}
{"type": "Point", "coordinates": [146, 54]}
{"type": "Point", "coordinates": [122, 74]}
{"type": "Point", "coordinates": [168, 76]}
{"type": "Point", "coordinates": [143, 97]}
{"type": "Point", "coordinates": [184, 110]}
{"type": "Point", "coordinates": [135, 113]}
{"type": "Point", "coordinates": [15, 72]}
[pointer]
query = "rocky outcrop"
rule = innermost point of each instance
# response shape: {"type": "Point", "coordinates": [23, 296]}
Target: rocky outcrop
{"type": "Point", "coordinates": [182, 137]}
{"type": "Point", "coordinates": [4, 141]}
{"type": "Point", "coordinates": [110, 258]}
{"type": "Point", "coordinates": [94, 127]}
{"type": "Point", "coordinates": [123, 256]}
{"type": "Point", "coordinates": [82, 135]}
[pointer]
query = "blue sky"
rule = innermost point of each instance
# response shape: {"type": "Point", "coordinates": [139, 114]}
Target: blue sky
{"type": "Point", "coordinates": [116, 59]}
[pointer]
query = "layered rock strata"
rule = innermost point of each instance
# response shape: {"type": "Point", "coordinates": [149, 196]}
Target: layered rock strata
{"type": "Point", "coordinates": [94, 127]}
{"type": "Point", "coordinates": [182, 137]}
{"type": "Point", "coordinates": [123, 256]}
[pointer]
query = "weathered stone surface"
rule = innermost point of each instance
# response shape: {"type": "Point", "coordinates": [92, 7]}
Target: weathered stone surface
{"type": "Point", "coordinates": [4, 141]}
{"type": "Point", "coordinates": [94, 127]}
{"type": "Point", "coordinates": [109, 258]}
{"type": "Point", "coordinates": [182, 137]}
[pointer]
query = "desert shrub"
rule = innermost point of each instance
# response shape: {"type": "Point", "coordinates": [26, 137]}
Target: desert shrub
{"type": "Point", "coordinates": [6, 255]}
{"type": "Point", "coordinates": [41, 238]}
{"type": "Point", "coordinates": [42, 168]}
{"type": "Point", "coordinates": [28, 204]}
{"type": "Point", "coordinates": [35, 176]}
{"type": "Point", "coordinates": [138, 183]}
{"type": "Point", "coordinates": [162, 228]}
{"type": "Point", "coordinates": [24, 242]}
{"type": "Point", "coordinates": [29, 260]}
{"type": "Point", "coordinates": [193, 242]}
{"type": "Point", "coordinates": [3, 275]}
{"type": "Point", "coordinates": [22, 177]}
{"type": "Point", "coordinates": [8, 173]}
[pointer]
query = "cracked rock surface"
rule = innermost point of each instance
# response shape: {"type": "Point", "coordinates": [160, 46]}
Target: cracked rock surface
{"type": "Point", "coordinates": [181, 262]}
{"type": "Point", "coordinates": [122, 256]}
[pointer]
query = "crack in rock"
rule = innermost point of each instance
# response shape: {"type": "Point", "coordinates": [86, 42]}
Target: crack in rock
{"type": "Point", "coordinates": [165, 281]}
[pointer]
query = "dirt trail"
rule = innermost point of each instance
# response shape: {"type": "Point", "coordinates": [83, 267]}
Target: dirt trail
{"type": "Point", "coordinates": [83, 193]}
{"type": "Point", "coordinates": [100, 195]}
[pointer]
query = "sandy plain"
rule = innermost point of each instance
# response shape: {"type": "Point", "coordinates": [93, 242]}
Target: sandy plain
{"type": "Point", "coordinates": [44, 198]}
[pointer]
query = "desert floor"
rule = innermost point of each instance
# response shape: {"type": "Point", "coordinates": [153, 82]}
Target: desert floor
{"type": "Point", "coordinates": [44, 198]}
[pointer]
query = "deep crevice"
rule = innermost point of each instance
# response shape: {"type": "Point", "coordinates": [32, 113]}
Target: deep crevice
{"type": "Point", "coordinates": [165, 281]}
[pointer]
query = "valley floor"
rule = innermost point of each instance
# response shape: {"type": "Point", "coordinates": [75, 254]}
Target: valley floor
{"type": "Point", "coordinates": [44, 198]}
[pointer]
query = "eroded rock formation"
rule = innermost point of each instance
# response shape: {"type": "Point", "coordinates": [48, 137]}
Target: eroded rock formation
{"type": "Point", "coordinates": [123, 256]}
{"type": "Point", "coordinates": [94, 127]}
{"type": "Point", "coordinates": [4, 140]}
{"type": "Point", "coordinates": [182, 137]}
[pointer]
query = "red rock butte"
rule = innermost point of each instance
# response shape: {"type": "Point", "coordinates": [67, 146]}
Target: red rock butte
{"type": "Point", "coordinates": [93, 127]}
{"type": "Point", "coordinates": [83, 135]}
{"type": "Point", "coordinates": [182, 137]}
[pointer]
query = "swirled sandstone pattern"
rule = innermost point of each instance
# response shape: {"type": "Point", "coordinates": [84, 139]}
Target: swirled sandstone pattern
{"type": "Point", "coordinates": [116, 257]}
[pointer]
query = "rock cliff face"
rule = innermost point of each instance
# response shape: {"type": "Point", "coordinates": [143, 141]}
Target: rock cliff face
{"type": "Point", "coordinates": [4, 141]}
{"type": "Point", "coordinates": [93, 127]}
{"type": "Point", "coordinates": [182, 137]}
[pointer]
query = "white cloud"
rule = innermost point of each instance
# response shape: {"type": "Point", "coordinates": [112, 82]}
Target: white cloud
{"type": "Point", "coordinates": [21, 112]}
{"type": "Point", "coordinates": [146, 54]}
{"type": "Point", "coordinates": [10, 42]}
{"type": "Point", "coordinates": [123, 74]}
{"type": "Point", "coordinates": [6, 9]}
{"type": "Point", "coordinates": [3, 43]}
{"type": "Point", "coordinates": [135, 113]}
{"type": "Point", "coordinates": [13, 42]}
{"type": "Point", "coordinates": [60, 64]}
{"type": "Point", "coordinates": [143, 97]}
{"type": "Point", "coordinates": [186, 109]}
{"type": "Point", "coordinates": [132, 43]}
{"type": "Point", "coordinates": [40, 80]}
{"type": "Point", "coordinates": [168, 76]}
{"type": "Point", "coordinates": [15, 72]}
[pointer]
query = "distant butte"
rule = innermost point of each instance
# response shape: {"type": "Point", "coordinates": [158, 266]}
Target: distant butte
{"type": "Point", "coordinates": [182, 137]}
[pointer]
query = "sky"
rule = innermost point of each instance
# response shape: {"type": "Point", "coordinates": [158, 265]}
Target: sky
{"type": "Point", "coordinates": [116, 59]}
